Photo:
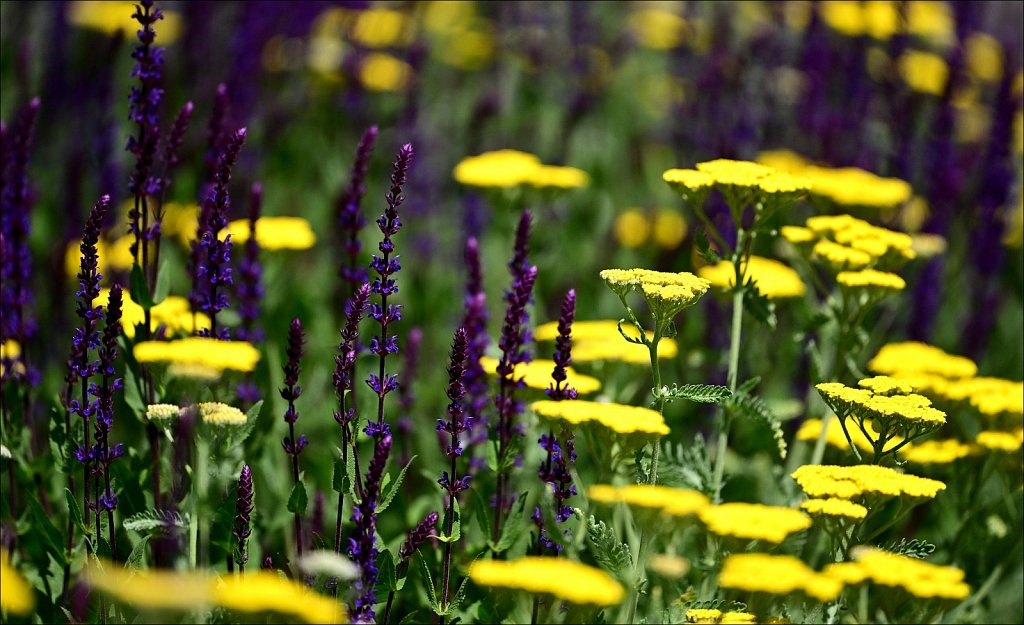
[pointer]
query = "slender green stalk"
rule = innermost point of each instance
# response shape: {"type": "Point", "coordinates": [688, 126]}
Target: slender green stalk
{"type": "Point", "coordinates": [199, 525]}
{"type": "Point", "coordinates": [734, 358]}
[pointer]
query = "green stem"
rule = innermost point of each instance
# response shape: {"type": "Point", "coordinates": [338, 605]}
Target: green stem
{"type": "Point", "coordinates": [199, 487]}
{"type": "Point", "coordinates": [734, 359]}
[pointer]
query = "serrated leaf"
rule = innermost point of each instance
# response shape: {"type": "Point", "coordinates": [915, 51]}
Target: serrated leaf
{"type": "Point", "coordinates": [137, 558]}
{"type": "Point", "coordinates": [913, 548]}
{"type": "Point", "coordinates": [163, 282]}
{"type": "Point", "coordinates": [514, 524]}
{"type": "Point", "coordinates": [297, 501]}
{"type": "Point", "coordinates": [706, 393]}
{"type": "Point", "coordinates": [759, 306]}
{"type": "Point", "coordinates": [387, 575]}
{"type": "Point", "coordinates": [338, 482]}
{"type": "Point", "coordinates": [138, 289]}
{"type": "Point", "coordinates": [609, 552]}
{"type": "Point", "coordinates": [75, 511]}
{"type": "Point", "coordinates": [390, 495]}
{"type": "Point", "coordinates": [755, 408]}
{"type": "Point", "coordinates": [429, 583]}
{"type": "Point", "coordinates": [749, 385]}
{"type": "Point", "coordinates": [686, 466]}
{"type": "Point", "coordinates": [149, 520]}
{"type": "Point", "coordinates": [456, 522]}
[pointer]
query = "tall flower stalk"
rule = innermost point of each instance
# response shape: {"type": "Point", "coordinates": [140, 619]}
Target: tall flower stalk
{"type": "Point", "coordinates": [291, 391]}
{"type": "Point", "coordinates": [104, 393]}
{"type": "Point", "coordinates": [350, 219]}
{"type": "Point", "coordinates": [474, 320]}
{"type": "Point", "coordinates": [384, 285]}
{"type": "Point", "coordinates": [454, 427]}
{"type": "Point", "coordinates": [346, 415]}
{"type": "Point", "coordinates": [241, 528]}
{"type": "Point", "coordinates": [250, 292]}
{"type": "Point", "coordinates": [215, 264]}
{"type": "Point", "coordinates": [362, 546]}
{"type": "Point", "coordinates": [424, 530]}
{"type": "Point", "coordinates": [513, 344]}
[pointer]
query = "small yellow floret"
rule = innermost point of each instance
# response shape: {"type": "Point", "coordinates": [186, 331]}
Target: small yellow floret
{"type": "Point", "coordinates": [217, 413]}
{"type": "Point", "coordinates": [561, 577]}
{"type": "Point", "coordinates": [834, 507]}
{"type": "Point", "coordinates": [162, 413]}
{"type": "Point", "coordinates": [753, 521]}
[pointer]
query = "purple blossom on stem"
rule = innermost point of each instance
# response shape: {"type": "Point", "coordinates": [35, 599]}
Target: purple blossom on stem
{"type": "Point", "coordinates": [173, 142]}
{"type": "Point", "coordinates": [144, 110]}
{"type": "Point", "coordinates": [214, 150]}
{"type": "Point", "coordinates": [558, 391]}
{"type": "Point", "coordinates": [506, 406]}
{"type": "Point", "coordinates": [291, 391]}
{"type": "Point", "coordinates": [241, 529]}
{"type": "Point", "coordinates": [16, 322]}
{"type": "Point", "coordinates": [454, 426]}
{"type": "Point", "coordinates": [474, 320]}
{"type": "Point", "coordinates": [350, 214]}
{"type": "Point", "coordinates": [215, 131]}
{"type": "Point", "coordinates": [250, 288]}
{"type": "Point", "coordinates": [384, 285]}
{"type": "Point", "coordinates": [424, 530]}
{"type": "Point", "coordinates": [214, 270]}
{"type": "Point", "coordinates": [362, 547]}
{"type": "Point", "coordinates": [346, 414]}
{"type": "Point", "coordinates": [104, 421]}
{"type": "Point", "coordinates": [86, 337]}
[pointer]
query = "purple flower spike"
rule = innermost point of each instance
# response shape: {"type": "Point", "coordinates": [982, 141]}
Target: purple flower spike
{"type": "Point", "coordinates": [104, 421]}
{"type": "Point", "coordinates": [172, 145]}
{"type": "Point", "coordinates": [214, 269]}
{"type": "Point", "coordinates": [349, 336]}
{"type": "Point", "coordinates": [250, 287]}
{"type": "Point", "coordinates": [457, 422]}
{"type": "Point", "coordinates": [350, 215]}
{"type": "Point", "coordinates": [291, 391]}
{"type": "Point", "coordinates": [384, 285]}
{"type": "Point", "coordinates": [424, 530]}
{"type": "Point", "coordinates": [563, 350]}
{"type": "Point", "coordinates": [15, 225]}
{"type": "Point", "coordinates": [362, 547]}
{"type": "Point", "coordinates": [242, 527]}
{"type": "Point", "coordinates": [474, 320]}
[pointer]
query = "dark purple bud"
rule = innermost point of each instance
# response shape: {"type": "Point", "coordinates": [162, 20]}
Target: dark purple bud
{"type": "Point", "coordinates": [424, 530]}
{"type": "Point", "coordinates": [242, 527]}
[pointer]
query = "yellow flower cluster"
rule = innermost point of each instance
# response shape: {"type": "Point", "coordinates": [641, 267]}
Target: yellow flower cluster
{"type": "Point", "coordinates": [162, 413]}
{"type": "Point", "coordinates": [1001, 441]}
{"type": "Point", "coordinates": [885, 385]}
{"type": "Point", "coordinates": [918, 578]}
{"type": "Point", "coordinates": [841, 257]}
{"type": "Point", "coordinates": [600, 340]}
{"type": "Point", "coordinates": [689, 179]}
{"type": "Point", "coordinates": [846, 243]}
{"type": "Point", "coordinates": [900, 359]}
{"type": "Point", "coordinates": [905, 415]}
{"type": "Point", "coordinates": [657, 28]}
{"type": "Point", "coordinates": [217, 413]}
{"type": "Point", "coordinates": [730, 174]}
{"type": "Point", "coordinates": [881, 19]}
{"type": "Point", "coordinates": [863, 480]}
{"type": "Point", "coordinates": [671, 501]}
{"type": "Point", "coordinates": [256, 592]}
{"type": "Point", "coordinates": [666, 293]}
{"type": "Point", "coordinates": [275, 233]}
{"type": "Point", "coordinates": [925, 72]}
{"type": "Point", "coordinates": [774, 279]}
{"type": "Point", "coordinates": [537, 374]}
{"type": "Point", "coordinates": [114, 17]}
{"type": "Point", "coordinates": [504, 169]}
{"type": "Point", "coordinates": [871, 279]}
{"type": "Point", "coordinates": [207, 352]}
{"type": "Point", "coordinates": [705, 615]}
{"type": "Point", "coordinates": [566, 580]}
{"type": "Point", "coordinates": [16, 596]}
{"type": "Point", "coordinates": [845, 186]}
{"type": "Point", "coordinates": [633, 228]}
{"type": "Point", "coordinates": [173, 313]}
{"type": "Point", "coordinates": [619, 418]}
{"type": "Point", "coordinates": [10, 350]}
{"type": "Point", "coordinates": [836, 508]}
{"type": "Point", "coordinates": [776, 575]}
{"type": "Point", "coordinates": [938, 451]}
{"type": "Point", "coordinates": [752, 521]}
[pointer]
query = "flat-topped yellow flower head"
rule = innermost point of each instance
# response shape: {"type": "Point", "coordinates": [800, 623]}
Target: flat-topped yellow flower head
{"type": "Point", "coordinates": [566, 580]}
{"type": "Point", "coordinates": [600, 340]}
{"type": "Point", "coordinates": [619, 418]}
{"type": "Point", "coordinates": [666, 293]}
{"type": "Point", "coordinates": [776, 575]}
{"type": "Point", "coordinates": [857, 481]}
{"type": "Point", "coordinates": [834, 508]}
{"type": "Point", "coordinates": [900, 359]}
{"type": "Point", "coordinates": [275, 233]}
{"type": "Point", "coordinates": [753, 521]}
{"type": "Point", "coordinates": [670, 501]}
{"type": "Point", "coordinates": [221, 414]}
{"type": "Point", "coordinates": [537, 374]}
{"type": "Point", "coordinates": [208, 352]}
{"type": "Point", "coordinates": [556, 176]}
{"type": "Point", "coordinates": [877, 283]}
{"type": "Point", "coordinates": [918, 578]}
{"type": "Point", "coordinates": [499, 168]}
{"type": "Point", "coordinates": [774, 279]}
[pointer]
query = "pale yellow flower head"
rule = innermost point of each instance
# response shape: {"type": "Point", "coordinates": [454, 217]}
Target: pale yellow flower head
{"type": "Point", "coordinates": [920, 579]}
{"type": "Point", "coordinates": [208, 352]}
{"type": "Point", "coordinates": [619, 418]}
{"type": "Point", "coordinates": [670, 501]}
{"type": "Point", "coordinates": [275, 233]}
{"type": "Point", "coordinates": [774, 279]}
{"type": "Point", "coordinates": [753, 521]}
{"type": "Point", "coordinates": [776, 575]}
{"type": "Point", "coordinates": [537, 374]}
{"type": "Point", "coordinates": [566, 580]}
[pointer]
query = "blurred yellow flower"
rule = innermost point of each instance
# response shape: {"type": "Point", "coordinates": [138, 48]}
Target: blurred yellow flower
{"type": "Point", "coordinates": [16, 596]}
{"type": "Point", "coordinates": [381, 28]}
{"type": "Point", "coordinates": [537, 374]}
{"type": "Point", "coordinates": [921, 579]}
{"type": "Point", "coordinates": [671, 501]}
{"type": "Point", "coordinates": [774, 279]}
{"type": "Point", "coordinates": [561, 577]}
{"type": "Point", "coordinates": [776, 575]}
{"type": "Point", "coordinates": [834, 507]}
{"type": "Point", "coordinates": [383, 72]}
{"type": "Point", "coordinates": [500, 168]}
{"type": "Point", "coordinates": [924, 71]}
{"type": "Point", "coordinates": [753, 521]}
{"type": "Point", "coordinates": [208, 352]}
{"type": "Point", "coordinates": [111, 17]}
{"type": "Point", "coordinates": [560, 177]}
{"type": "Point", "coordinates": [269, 591]}
{"type": "Point", "coordinates": [657, 28]}
{"type": "Point", "coordinates": [275, 233]}
{"type": "Point", "coordinates": [899, 359]}
{"type": "Point", "coordinates": [632, 228]}
{"type": "Point", "coordinates": [619, 418]}
{"type": "Point", "coordinates": [669, 228]}
{"type": "Point", "coordinates": [174, 313]}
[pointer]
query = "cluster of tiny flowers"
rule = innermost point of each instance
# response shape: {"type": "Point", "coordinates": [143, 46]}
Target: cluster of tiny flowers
{"type": "Point", "coordinates": [104, 394]}
{"type": "Point", "coordinates": [362, 546]}
{"type": "Point", "coordinates": [424, 530]}
{"type": "Point", "coordinates": [292, 390]}
{"type": "Point", "coordinates": [241, 529]}
{"type": "Point", "coordinates": [457, 422]}
{"type": "Point", "coordinates": [347, 349]}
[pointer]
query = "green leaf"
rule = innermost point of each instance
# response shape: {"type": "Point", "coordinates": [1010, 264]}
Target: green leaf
{"type": "Point", "coordinates": [76, 511]}
{"type": "Point", "coordinates": [456, 522]}
{"type": "Point", "coordinates": [913, 548]}
{"type": "Point", "coordinates": [707, 393]}
{"type": "Point", "coordinates": [52, 537]}
{"type": "Point", "coordinates": [686, 466]}
{"type": "Point", "coordinates": [514, 525]}
{"type": "Point", "coordinates": [163, 282]}
{"type": "Point", "coordinates": [749, 385]}
{"type": "Point", "coordinates": [137, 288]}
{"type": "Point", "coordinates": [133, 391]}
{"type": "Point", "coordinates": [387, 575]}
{"type": "Point", "coordinates": [137, 558]}
{"type": "Point", "coordinates": [297, 501]}
{"type": "Point", "coordinates": [755, 408]}
{"type": "Point", "coordinates": [416, 616]}
{"type": "Point", "coordinates": [491, 450]}
{"type": "Point", "coordinates": [704, 246]}
{"type": "Point", "coordinates": [609, 552]}
{"type": "Point", "coordinates": [239, 435]}
{"type": "Point", "coordinates": [481, 512]}
{"type": "Point", "coordinates": [149, 520]}
{"type": "Point", "coordinates": [338, 483]}
{"type": "Point", "coordinates": [429, 583]}
{"type": "Point", "coordinates": [759, 306]}
{"type": "Point", "coordinates": [460, 594]}
{"type": "Point", "coordinates": [390, 495]}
